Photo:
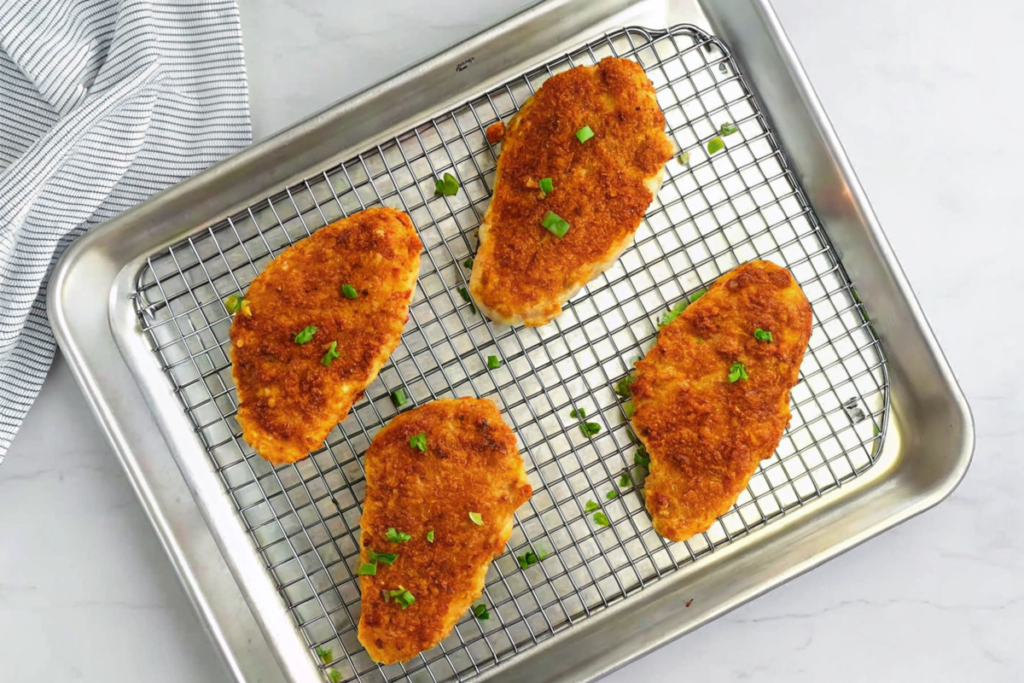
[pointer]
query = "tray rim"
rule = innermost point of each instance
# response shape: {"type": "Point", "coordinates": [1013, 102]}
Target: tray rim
{"type": "Point", "coordinates": [108, 412]}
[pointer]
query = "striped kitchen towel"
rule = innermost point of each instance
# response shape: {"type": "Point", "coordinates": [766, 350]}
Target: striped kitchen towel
{"type": "Point", "coordinates": [102, 104]}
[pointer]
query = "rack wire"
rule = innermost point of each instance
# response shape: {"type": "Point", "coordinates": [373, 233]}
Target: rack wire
{"type": "Point", "coordinates": [713, 213]}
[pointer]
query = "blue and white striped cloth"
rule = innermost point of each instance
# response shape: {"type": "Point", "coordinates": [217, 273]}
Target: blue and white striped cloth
{"type": "Point", "coordinates": [102, 104]}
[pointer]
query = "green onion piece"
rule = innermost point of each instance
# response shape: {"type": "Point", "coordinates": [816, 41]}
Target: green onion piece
{"type": "Point", "coordinates": [612, 495]}
{"type": "Point", "coordinates": [601, 519]}
{"type": "Point", "coordinates": [235, 303]}
{"type": "Point", "coordinates": [349, 292]}
{"type": "Point", "coordinates": [715, 144]}
{"type": "Point", "coordinates": [468, 263]}
{"type": "Point", "coordinates": [641, 457]}
{"type": "Point", "coordinates": [493, 362]}
{"type": "Point", "coordinates": [430, 536]}
{"type": "Point", "coordinates": [590, 429]}
{"type": "Point", "coordinates": [684, 158]}
{"type": "Point", "coordinates": [386, 558]}
{"type": "Point", "coordinates": [447, 186]}
{"type": "Point", "coordinates": [368, 569]}
{"type": "Point", "coordinates": [624, 481]}
{"type": "Point", "coordinates": [727, 129]}
{"type": "Point", "coordinates": [397, 536]}
{"type": "Point", "coordinates": [306, 335]}
{"type": "Point", "coordinates": [696, 295]}
{"type": "Point", "coordinates": [591, 506]}
{"type": "Point", "coordinates": [555, 224]}
{"type": "Point", "coordinates": [419, 441]}
{"type": "Point", "coordinates": [399, 398]}
{"type": "Point", "coordinates": [465, 297]}
{"type": "Point", "coordinates": [584, 134]}
{"type": "Point", "coordinates": [628, 408]}
{"type": "Point", "coordinates": [547, 186]}
{"type": "Point", "coordinates": [527, 560]}
{"type": "Point", "coordinates": [762, 335]}
{"type": "Point", "coordinates": [403, 597]}
{"type": "Point", "coordinates": [334, 675]}
{"type": "Point", "coordinates": [476, 518]}
{"type": "Point", "coordinates": [673, 313]}
{"type": "Point", "coordinates": [332, 353]}
{"type": "Point", "coordinates": [579, 413]}
{"type": "Point", "coordinates": [737, 372]}
{"type": "Point", "coordinates": [623, 385]}
{"type": "Point", "coordinates": [480, 612]}
{"type": "Point", "coordinates": [326, 655]}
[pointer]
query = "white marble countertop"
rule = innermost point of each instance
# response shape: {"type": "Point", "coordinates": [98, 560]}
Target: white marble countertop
{"type": "Point", "coordinates": [923, 95]}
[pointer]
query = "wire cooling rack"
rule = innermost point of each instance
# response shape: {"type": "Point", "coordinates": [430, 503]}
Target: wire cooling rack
{"type": "Point", "coordinates": [713, 213]}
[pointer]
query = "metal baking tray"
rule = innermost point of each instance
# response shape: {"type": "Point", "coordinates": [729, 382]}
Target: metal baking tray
{"type": "Point", "coordinates": [880, 430]}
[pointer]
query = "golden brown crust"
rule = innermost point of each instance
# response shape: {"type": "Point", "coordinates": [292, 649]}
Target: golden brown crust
{"type": "Point", "coordinates": [288, 400]}
{"type": "Point", "coordinates": [495, 132]}
{"type": "Point", "coordinates": [522, 272]}
{"type": "Point", "coordinates": [706, 435]}
{"type": "Point", "coordinates": [471, 465]}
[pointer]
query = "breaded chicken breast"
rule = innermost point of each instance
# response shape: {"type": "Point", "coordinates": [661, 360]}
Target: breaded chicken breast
{"type": "Point", "coordinates": [323, 318]}
{"type": "Point", "coordinates": [442, 483]}
{"type": "Point", "coordinates": [711, 398]}
{"type": "Point", "coordinates": [589, 149]}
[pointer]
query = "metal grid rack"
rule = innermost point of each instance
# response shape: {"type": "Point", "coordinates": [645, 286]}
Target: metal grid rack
{"type": "Point", "coordinates": [713, 213]}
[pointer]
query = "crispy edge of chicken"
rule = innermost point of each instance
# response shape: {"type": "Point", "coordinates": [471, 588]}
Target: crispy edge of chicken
{"type": "Point", "coordinates": [471, 465]}
{"type": "Point", "coordinates": [603, 187]}
{"type": "Point", "coordinates": [705, 434]}
{"type": "Point", "coordinates": [289, 400]}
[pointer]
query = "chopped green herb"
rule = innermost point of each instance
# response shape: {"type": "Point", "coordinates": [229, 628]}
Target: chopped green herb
{"type": "Point", "coordinates": [591, 506]}
{"type": "Point", "coordinates": [326, 655]}
{"type": "Point", "coordinates": [368, 569]}
{"type": "Point", "coordinates": [403, 597]}
{"type": "Point", "coordinates": [386, 558]}
{"type": "Point", "coordinates": [306, 335]}
{"type": "Point", "coordinates": [590, 429]}
{"type": "Point", "coordinates": [684, 158]}
{"type": "Point", "coordinates": [628, 408]}
{"type": "Point", "coordinates": [468, 263]}
{"type": "Point", "coordinates": [448, 186]}
{"type": "Point", "coordinates": [349, 292]}
{"type": "Point", "coordinates": [715, 144]}
{"type": "Point", "coordinates": [555, 224]}
{"type": "Point", "coordinates": [465, 297]}
{"type": "Point", "coordinates": [579, 413]}
{"type": "Point", "coordinates": [612, 495]}
{"type": "Point", "coordinates": [673, 313]}
{"type": "Point", "coordinates": [397, 536]}
{"type": "Point", "coordinates": [727, 128]}
{"type": "Point", "coordinates": [332, 353]}
{"type": "Point", "coordinates": [480, 612]}
{"type": "Point", "coordinates": [623, 385]}
{"type": "Point", "coordinates": [624, 481]}
{"type": "Point", "coordinates": [430, 536]}
{"type": "Point", "coordinates": [641, 457]}
{"type": "Point", "coordinates": [601, 519]}
{"type": "Point", "coordinates": [527, 560]}
{"type": "Point", "coordinates": [334, 675]}
{"type": "Point", "coordinates": [399, 398]}
{"type": "Point", "coordinates": [696, 295]}
{"type": "Point", "coordinates": [762, 335]}
{"type": "Point", "coordinates": [419, 441]}
{"type": "Point", "coordinates": [547, 186]}
{"type": "Point", "coordinates": [493, 362]}
{"type": "Point", "coordinates": [235, 303]}
{"type": "Point", "coordinates": [584, 134]}
{"type": "Point", "coordinates": [476, 518]}
{"type": "Point", "coordinates": [737, 372]}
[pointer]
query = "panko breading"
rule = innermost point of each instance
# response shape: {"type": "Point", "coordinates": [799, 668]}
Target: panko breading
{"type": "Point", "coordinates": [471, 465]}
{"type": "Point", "coordinates": [289, 400]}
{"type": "Point", "coordinates": [704, 433]}
{"type": "Point", "coordinates": [522, 272]}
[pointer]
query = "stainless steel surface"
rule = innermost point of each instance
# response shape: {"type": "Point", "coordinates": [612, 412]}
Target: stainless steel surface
{"type": "Point", "coordinates": [825, 490]}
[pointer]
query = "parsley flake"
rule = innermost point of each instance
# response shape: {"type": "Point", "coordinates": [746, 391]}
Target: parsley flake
{"type": "Point", "coordinates": [396, 536]}
{"type": "Point", "coordinates": [493, 362]}
{"type": "Point", "coordinates": [326, 655]}
{"type": "Point", "coordinates": [591, 506]}
{"type": "Point", "coordinates": [306, 335]}
{"type": "Point", "coordinates": [430, 536]}
{"type": "Point", "coordinates": [332, 353]}
{"type": "Point", "coordinates": [763, 336]}
{"type": "Point", "coordinates": [447, 186]}
{"type": "Point", "coordinates": [480, 612]}
{"type": "Point", "coordinates": [601, 519]}
{"type": "Point", "coordinates": [349, 292]}
{"type": "Point", "coordinates": [727, 128]}
{"type": "Point", "coordinates": [715, 144]}
{"type": "Point", "coordinates": [737, 372]}
{"type": "Point", "coordinates": [623, 385]}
